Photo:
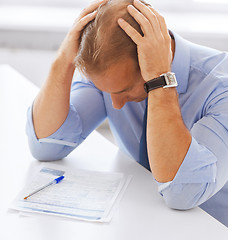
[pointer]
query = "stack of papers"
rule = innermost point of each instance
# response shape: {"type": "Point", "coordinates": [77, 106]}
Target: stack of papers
{"type": "Point", "coordinates": [82, 194]}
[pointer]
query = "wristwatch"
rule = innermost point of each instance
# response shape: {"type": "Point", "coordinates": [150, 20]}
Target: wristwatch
{"type": "Point", "coordinates": [166, 80]}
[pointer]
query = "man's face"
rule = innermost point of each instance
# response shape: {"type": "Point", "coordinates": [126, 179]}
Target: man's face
{"type": "Point", "coordinates": [124, 83]}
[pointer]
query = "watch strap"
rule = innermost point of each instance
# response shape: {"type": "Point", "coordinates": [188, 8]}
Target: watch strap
{"type": "Point", "coordinates": [155, 83]}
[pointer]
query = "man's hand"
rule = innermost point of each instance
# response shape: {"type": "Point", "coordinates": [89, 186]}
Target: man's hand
{"type": "Point", "coordinates": [154, 48]}
{"type": "Point", "coordinates": [70, 45]}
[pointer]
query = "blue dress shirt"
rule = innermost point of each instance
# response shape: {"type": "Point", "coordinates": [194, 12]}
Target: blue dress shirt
{"type": "Point", "coordinates": [202, 179]}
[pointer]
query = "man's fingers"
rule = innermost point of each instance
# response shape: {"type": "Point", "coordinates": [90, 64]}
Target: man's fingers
{"type": "Point", "coordinates": [140, 19]}
{"type": "Point", "coordinates": [92, 7]}
{"type": "Point", "coordinates": [162, 23]}
{"type": "Point", "coordinates": [130, 31]}
{"type": "Point", "coordinates": [87, 15]}
{"type": "Point", "coordinates": [85, 20]}
{"type": "Point", "coordinates": [146, 11]}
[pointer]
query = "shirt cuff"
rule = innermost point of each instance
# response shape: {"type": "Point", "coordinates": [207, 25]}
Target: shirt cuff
{"type": "Point", "coordinates": [198, 167]}
{"type": "Point", "coordinates": [68, 134]}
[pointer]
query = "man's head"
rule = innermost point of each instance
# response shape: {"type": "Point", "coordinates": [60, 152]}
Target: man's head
{"type": "Point", "coordinates": [109, 57]}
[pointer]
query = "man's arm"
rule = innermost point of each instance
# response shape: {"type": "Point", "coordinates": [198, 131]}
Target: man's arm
{"type": "Point", "coordinates": [168, 139]}
{"type": "Point", "coordinates": [51, 106]}
{"type": "Point", "coordinates": [196, 161]}
{"type": "Point", "coordinates": [77, 126]}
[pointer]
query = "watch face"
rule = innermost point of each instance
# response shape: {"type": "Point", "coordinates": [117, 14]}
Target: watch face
{"type": "Point", "coordinates": [170, 80]}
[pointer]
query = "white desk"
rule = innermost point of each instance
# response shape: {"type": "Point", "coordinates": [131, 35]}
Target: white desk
{"type": "Point", "coordinates": [142, 213]}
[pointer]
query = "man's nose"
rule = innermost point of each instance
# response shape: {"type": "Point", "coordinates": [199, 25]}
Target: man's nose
{"type": "Point", "coordinates": [117, 101]}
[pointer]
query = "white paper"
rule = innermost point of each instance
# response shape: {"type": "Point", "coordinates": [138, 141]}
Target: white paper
{"type": "Point", "coordinates": [82, 194]}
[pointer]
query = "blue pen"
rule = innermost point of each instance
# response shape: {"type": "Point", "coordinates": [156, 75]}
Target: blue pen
{"type": "Point", "coordinates": [55, 181]}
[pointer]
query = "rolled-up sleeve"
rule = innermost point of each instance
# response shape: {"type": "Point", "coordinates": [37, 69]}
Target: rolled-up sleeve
{"type": "Point", "coordinates": [86, 112]}
{"type": "Point", "coordinates": [204, 170]}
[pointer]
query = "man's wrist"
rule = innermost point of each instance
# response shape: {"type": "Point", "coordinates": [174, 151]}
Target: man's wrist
{"type": "Point", "coordinates": [167, 80]}
{"type": "Point", "coordinates": [152, 76]}
{"type": "Point", "coordinates": [163, 97]}
{"type": "Point", "coordinates": [61, 73]}
{"type": "Point", "coordinates": [62, 61]}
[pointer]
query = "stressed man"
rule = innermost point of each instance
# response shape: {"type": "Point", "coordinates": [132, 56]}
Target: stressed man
{"type": "Point", "coordinates": [166, 100]}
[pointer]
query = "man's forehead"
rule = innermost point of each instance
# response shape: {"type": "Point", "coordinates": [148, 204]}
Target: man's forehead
{"type": "Point", "coordinates": [118, 78]}
{"type": "Point", "coordinates": [113, 84]}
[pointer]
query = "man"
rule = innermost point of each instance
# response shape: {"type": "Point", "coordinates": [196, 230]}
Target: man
{"type": "Point", "coordinates": [123, 47]}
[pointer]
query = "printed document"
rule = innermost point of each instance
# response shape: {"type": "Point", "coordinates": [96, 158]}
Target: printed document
{"type": "Point", "coordinates": [82, 194]}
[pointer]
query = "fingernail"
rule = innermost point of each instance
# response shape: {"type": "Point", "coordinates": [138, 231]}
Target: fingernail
{"type": "Point", "coordinates": [120, 20]}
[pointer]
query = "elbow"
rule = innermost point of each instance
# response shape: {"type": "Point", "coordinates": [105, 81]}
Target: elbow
{"type": "Point", "coordinates": [45, 152]}
{"type": "Point", "coordinates": [43, 156]}
{"type": "Point", "coordinates": [185, 196]}
{"type": "Point", "coordinates": [179, 204]}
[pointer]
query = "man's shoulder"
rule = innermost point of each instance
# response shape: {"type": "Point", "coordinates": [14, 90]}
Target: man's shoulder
{"type": "Point", "coordinates": [208, 75]}
{"type": "Point", "coordinates": [209, 61]}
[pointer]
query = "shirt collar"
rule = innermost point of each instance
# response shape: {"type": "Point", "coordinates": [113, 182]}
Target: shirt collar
{"type": "Point", "coordinates": [181, 62]}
